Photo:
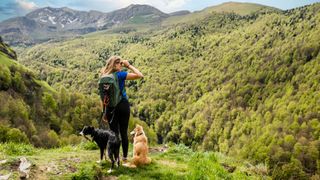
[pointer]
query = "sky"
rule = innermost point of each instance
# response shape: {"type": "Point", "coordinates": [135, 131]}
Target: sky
{"type": "Point", "coordinates": [14, 8]}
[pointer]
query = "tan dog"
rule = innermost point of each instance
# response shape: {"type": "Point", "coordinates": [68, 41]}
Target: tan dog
{"type": "Point", "coordinates": [140, 148]}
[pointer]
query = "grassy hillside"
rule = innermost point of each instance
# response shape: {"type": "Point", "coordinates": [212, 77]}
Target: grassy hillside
{"type": "Point", "coordinates": [239, 8]}
{"type": "Point", "coordinates": [33, 112]}
{"type": "Point", "coordinates": [5, 49]}
{"type": "Point", "coordinates": [5, 60]}
{"type": "Point", "coordinates": [77, 162]}
{"type": "Point", "coordinates": [229, 7]}
{"type": "Point", "coordinates": [247, 85]}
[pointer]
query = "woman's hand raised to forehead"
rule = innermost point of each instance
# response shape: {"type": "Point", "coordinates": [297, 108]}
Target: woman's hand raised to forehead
{"type": "Point", "coordinates": [136, 73]}
{"type": "Point", "coordinates": [125, 63]}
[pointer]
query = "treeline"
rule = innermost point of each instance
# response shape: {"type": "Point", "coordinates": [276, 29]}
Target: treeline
{"type": "Point", "coordinates": [247, 86]}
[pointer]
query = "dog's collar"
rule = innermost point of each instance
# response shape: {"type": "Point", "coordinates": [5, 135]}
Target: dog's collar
{"type": "Point", "coordinates": [88, 138]}
{"type": "Point", "coordinates": [140, 134]}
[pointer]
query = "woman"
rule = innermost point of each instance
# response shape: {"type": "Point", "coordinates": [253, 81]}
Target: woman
{"type": "Point", "coordinates": [121, 116]}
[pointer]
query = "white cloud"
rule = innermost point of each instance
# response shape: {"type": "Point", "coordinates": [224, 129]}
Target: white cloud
{"type": "Point", "coordinates": [26, 5]}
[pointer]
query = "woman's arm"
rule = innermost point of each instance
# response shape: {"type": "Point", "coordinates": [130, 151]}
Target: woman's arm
{"type": "Point", "coordinates": [136, 73]}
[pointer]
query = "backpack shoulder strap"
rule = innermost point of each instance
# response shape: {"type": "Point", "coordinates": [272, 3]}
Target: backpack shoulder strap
{"type": "Point", "coordinates": [115, 76]}
{"type": "Point", "coordinates": [118, 84]}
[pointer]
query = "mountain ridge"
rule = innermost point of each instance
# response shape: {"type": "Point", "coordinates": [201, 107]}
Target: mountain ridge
{"type": "Point", "coordinates": [239, 7]}
{"type": "Point", "coordinates": [50, 23]}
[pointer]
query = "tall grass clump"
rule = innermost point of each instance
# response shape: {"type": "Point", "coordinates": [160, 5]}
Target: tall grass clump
{"type": "Point", "coordinates": [88, 145]}
{"type": "Point", "coordinates": [180, 152]}
{"type": "Point", "coordinates": [15, 149]}
{"type": "Point", "coordinates": [87, 171]}
{"type": "Point", "coordinates": [181, 149]}
{"type": "Point", "coordinates": [206, 166]}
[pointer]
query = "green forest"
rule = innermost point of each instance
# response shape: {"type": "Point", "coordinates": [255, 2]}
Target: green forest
{"type": "Point", "coordinates": [247, 86]}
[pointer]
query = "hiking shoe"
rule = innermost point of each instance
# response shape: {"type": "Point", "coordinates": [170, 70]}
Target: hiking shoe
{"type": "Point", "coordinates": [124, 160]}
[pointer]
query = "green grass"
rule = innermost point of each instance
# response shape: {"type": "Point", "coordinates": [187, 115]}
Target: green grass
{"type": "Point", "coordinates": [5, 60]}
{"type": "Point", "coordinates": [45, 85]}
{"type": "Point", "coordinates": [76, 162]}
{"type": "Point", "coordinates": [13, 149]}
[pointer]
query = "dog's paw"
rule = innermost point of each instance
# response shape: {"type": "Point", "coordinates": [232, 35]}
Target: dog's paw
{"type": "Point", "coordinates": [110, 171]}
{"type": "Point", "coordinates": [98, 161]}
{"type": "Point", "coordinates": [129, 165]}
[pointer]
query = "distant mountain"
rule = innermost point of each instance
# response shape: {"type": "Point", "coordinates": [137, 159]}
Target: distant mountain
{"type": "Point", "coordinates": [131, 11]}
{"type": "Point", "coordinates": [49, 23]}
{"type": "Point", "coordinates": [239, 8]}
{"type": "Point", "coordinates": [65, 18]}
{"type": "Point", "coordinates": [228, 7]}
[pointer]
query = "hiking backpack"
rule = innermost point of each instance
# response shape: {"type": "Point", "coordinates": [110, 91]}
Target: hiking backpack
{"type": "Point", "coordinates": [109, 91]}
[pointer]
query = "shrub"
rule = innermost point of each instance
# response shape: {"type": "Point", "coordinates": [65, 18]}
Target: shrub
{"type": "Point", "coordinates": [53, 139]}
{"type": "Point", "coordinates": [5, 78]}
{"type": "Point", "coordinates": [15, 135]}
{"type": "Point", "coordinates": [49, 101]}
{"type": "Point", "coordinates": [35, 140]}
{"type": "Point", "coordinates": [18, 83]}
{"type": "Point", "coordinates": [3, 133]}
{"type": "Point", "coordinates": [292, 170]}
{"type": "Point", "coordinates": [50, 139]}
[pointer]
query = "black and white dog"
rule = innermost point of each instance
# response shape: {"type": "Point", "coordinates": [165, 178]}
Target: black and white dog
{"type": "Point", "coordinates": [104, 139]}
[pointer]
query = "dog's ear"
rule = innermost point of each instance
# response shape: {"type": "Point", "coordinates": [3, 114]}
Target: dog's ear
{"type": "Point", "coordinates": [133, 132]}
{"type": "Point", "coordinates": [84, 128]}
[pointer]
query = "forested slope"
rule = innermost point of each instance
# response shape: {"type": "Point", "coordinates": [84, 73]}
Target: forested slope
{"type": "Point", "coordinates": [243, 85]}
{"type": "Point", "coordinates": [32, 112]}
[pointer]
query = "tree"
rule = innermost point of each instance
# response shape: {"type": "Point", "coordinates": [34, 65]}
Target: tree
{"type": "Point", "coordinates": [5, 78]}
